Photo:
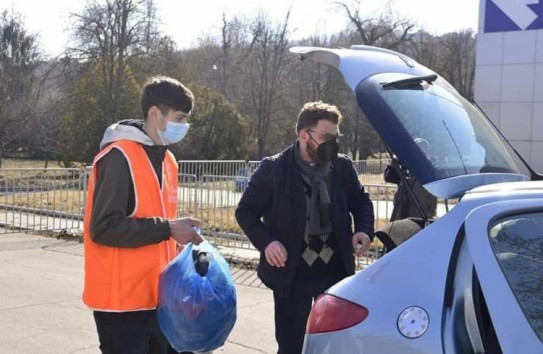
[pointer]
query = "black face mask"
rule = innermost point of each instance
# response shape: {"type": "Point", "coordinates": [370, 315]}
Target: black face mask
{"type": "Point", "coordinates": [326, 151]}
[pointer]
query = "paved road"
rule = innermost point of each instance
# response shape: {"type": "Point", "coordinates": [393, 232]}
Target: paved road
{"type": "Point", "coordinates": [41, 309]}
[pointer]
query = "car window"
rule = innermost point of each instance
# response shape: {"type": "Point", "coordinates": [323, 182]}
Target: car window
{"type": "Point", "coordinates": [517, 242]}
{"type": "Point", "coordinates": [460, 139]}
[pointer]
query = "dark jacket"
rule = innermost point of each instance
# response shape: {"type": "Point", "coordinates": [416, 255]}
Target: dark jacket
{"type": "Point", "coordinates": [273, 208]}
{"type": "Point", "coordinates": [404, 205]}
{"type": "Point", "coordinates": [114, 193]}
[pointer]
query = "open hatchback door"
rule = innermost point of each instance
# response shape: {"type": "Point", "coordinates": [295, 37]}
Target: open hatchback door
{"type": "Point", "coordinates": [408, 103]}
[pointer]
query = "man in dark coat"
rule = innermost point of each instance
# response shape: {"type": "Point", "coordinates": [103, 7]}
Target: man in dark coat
{"type": "Point", "coordinates": [404, 204]}
{"type": "Point", "coordinates": [298, 211]}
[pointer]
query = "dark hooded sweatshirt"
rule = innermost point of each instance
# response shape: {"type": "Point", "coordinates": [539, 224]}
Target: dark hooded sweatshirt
{"type": "Point", "coordinates": [114, 197]}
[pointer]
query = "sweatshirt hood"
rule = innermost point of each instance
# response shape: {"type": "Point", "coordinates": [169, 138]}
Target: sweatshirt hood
{"type": "Point", "coordinates": [129, 129]}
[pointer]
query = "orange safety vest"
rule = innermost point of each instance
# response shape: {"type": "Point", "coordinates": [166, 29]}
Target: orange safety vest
{"type": "Point", "coordinates": [126, 279]}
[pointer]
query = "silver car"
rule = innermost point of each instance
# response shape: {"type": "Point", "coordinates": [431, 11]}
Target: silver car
{"type": "Point", "coordinates": [470, 281]}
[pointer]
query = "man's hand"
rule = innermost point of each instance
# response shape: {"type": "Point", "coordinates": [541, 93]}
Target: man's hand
{"type": "Point", "coordinates": [182, 231]}
{"type": "Point", "coordinates": [361, 243]}
{"type": "Point", "coordinates": [276, 254]}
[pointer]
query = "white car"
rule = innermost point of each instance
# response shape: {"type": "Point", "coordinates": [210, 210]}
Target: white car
{"type": "Point", "coordinates": [472, 280]}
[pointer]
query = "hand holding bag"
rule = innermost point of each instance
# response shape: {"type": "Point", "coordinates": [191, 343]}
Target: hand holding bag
{"type": "Point", "coordinates": [197, 309]}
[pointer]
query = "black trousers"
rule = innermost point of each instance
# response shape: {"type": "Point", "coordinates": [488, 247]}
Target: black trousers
{"type": "Point", "coordinates": [134, 332]}
{"type": "Point", "coordinates": [291, 313]}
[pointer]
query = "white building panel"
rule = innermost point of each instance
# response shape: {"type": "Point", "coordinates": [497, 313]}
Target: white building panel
{"type": "Point", "coordinates": [516, 120]}
{"type": "Point", "coordinates": [518, 83]}
{"type": "Point", "coordinates": [538, 83]}
{"type": "Point", "coordinates": [536, 157]}
{"type": "Point", "coordinates": [539, 47]}
{"type": "Point", "coordinates": [490, 49]}
{"type": "Point", "coordinates": [519, 47]}
{"type": "Point", "coordinates": [537, 124]}
{"type": "Point", "coordinates": [492, 110]}
{"type": "Point", "coordinates": [488, 83]}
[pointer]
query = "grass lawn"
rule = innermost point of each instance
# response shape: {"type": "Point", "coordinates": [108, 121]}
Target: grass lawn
{"type": "Point", "coordinates": [24, 163]}
{"type": "Point", "coordinates": [64, 201]}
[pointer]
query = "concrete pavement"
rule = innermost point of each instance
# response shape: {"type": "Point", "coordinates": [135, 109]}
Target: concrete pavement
{"type": "Point", "coordinates": [41, 279]}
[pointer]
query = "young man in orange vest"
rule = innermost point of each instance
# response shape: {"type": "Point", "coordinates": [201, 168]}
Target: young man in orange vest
{"type": "Point", "coordinates": [131, 226]}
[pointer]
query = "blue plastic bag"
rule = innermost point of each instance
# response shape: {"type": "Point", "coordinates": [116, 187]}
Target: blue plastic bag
{"type": "Point", "coordinates": [196, 313]}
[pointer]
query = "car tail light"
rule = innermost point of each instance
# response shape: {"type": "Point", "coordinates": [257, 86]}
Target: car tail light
{"type": "Point", "coordinates": [331, 313]}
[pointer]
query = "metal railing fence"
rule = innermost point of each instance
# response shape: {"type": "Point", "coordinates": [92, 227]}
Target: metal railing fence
{"type": "Point", "coordinates": [53, 199]}
{"type": "Point", "coordinates": [374, 167]}
{"type": "Point", "coordinates": [216, 168]}
{"type": "Point", "coordinates": [41, 199]}
{"type": "Point", "coordinates": [246, 168]}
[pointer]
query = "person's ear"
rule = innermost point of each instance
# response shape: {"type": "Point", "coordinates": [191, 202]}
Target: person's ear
{"type": "Point", "coordinates": [302, 135]}
{"type": "Point", "coordinates": [155, 114]}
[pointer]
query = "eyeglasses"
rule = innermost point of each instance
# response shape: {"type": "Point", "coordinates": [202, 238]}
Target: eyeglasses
{"type": "Point", "coordinates": [326, 137]}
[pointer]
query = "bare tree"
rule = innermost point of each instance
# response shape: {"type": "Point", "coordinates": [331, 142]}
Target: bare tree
{"type": "Point", "coordinates": [458, 60]}
{"type": "Point", "coordinates": [424, 48]}
{"type": "Point", "coordinates": [386, 31]}
{"type": "Point", "coordinates": [112, 35]}
{"type": "Point", "coordinates": [41, 138]}
{"type": "Point", "coordinates": [451, 55]}
{"type": "Point", "coordinates": [224, 65]}
{"type": "Point", "coordinates": [227, 66]}
{"type": "Point", "coordinates": [268, 67]}
{"type": "Point", "coordinates": [18, 57]}
{"type": "Point", "coordinates": [311, 79]}
{"type": "Point", "coordinates": [151, 34]}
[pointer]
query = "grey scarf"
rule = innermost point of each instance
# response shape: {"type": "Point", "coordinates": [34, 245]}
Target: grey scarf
{"type": "Point", "coordinates": [319, 210]}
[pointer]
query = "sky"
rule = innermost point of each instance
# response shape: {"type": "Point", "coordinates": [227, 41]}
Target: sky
{"type": "Point", "coordinates": [185, 21]}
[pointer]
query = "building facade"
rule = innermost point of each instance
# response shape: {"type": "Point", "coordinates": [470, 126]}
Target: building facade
{"type": "Point", "coordinates": [509, 72]}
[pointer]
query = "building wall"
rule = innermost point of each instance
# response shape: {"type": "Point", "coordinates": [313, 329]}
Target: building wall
{"type": "Point", "coordinates": [509, 82]}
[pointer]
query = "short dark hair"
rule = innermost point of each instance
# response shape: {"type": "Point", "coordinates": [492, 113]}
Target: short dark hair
{"type": "Point", "coordinates": [312, 112]}
{"type": "Point", "coordinates": [165, 93]}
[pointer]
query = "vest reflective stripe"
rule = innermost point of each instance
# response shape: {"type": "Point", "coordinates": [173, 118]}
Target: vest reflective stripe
{"type": "Point", "coordinates": [126, 279]}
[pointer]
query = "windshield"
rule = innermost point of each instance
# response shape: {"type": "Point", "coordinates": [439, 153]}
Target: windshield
{"type": "Point", "coordinates": [450, 132]}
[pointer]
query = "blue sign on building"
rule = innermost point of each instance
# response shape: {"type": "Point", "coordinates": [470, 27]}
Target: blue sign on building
{"type": "Point", "coordinates": [513, 15]}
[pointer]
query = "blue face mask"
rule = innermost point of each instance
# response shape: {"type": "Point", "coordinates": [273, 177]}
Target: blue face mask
{"type": "Point", "coordinates": [174, 133]}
